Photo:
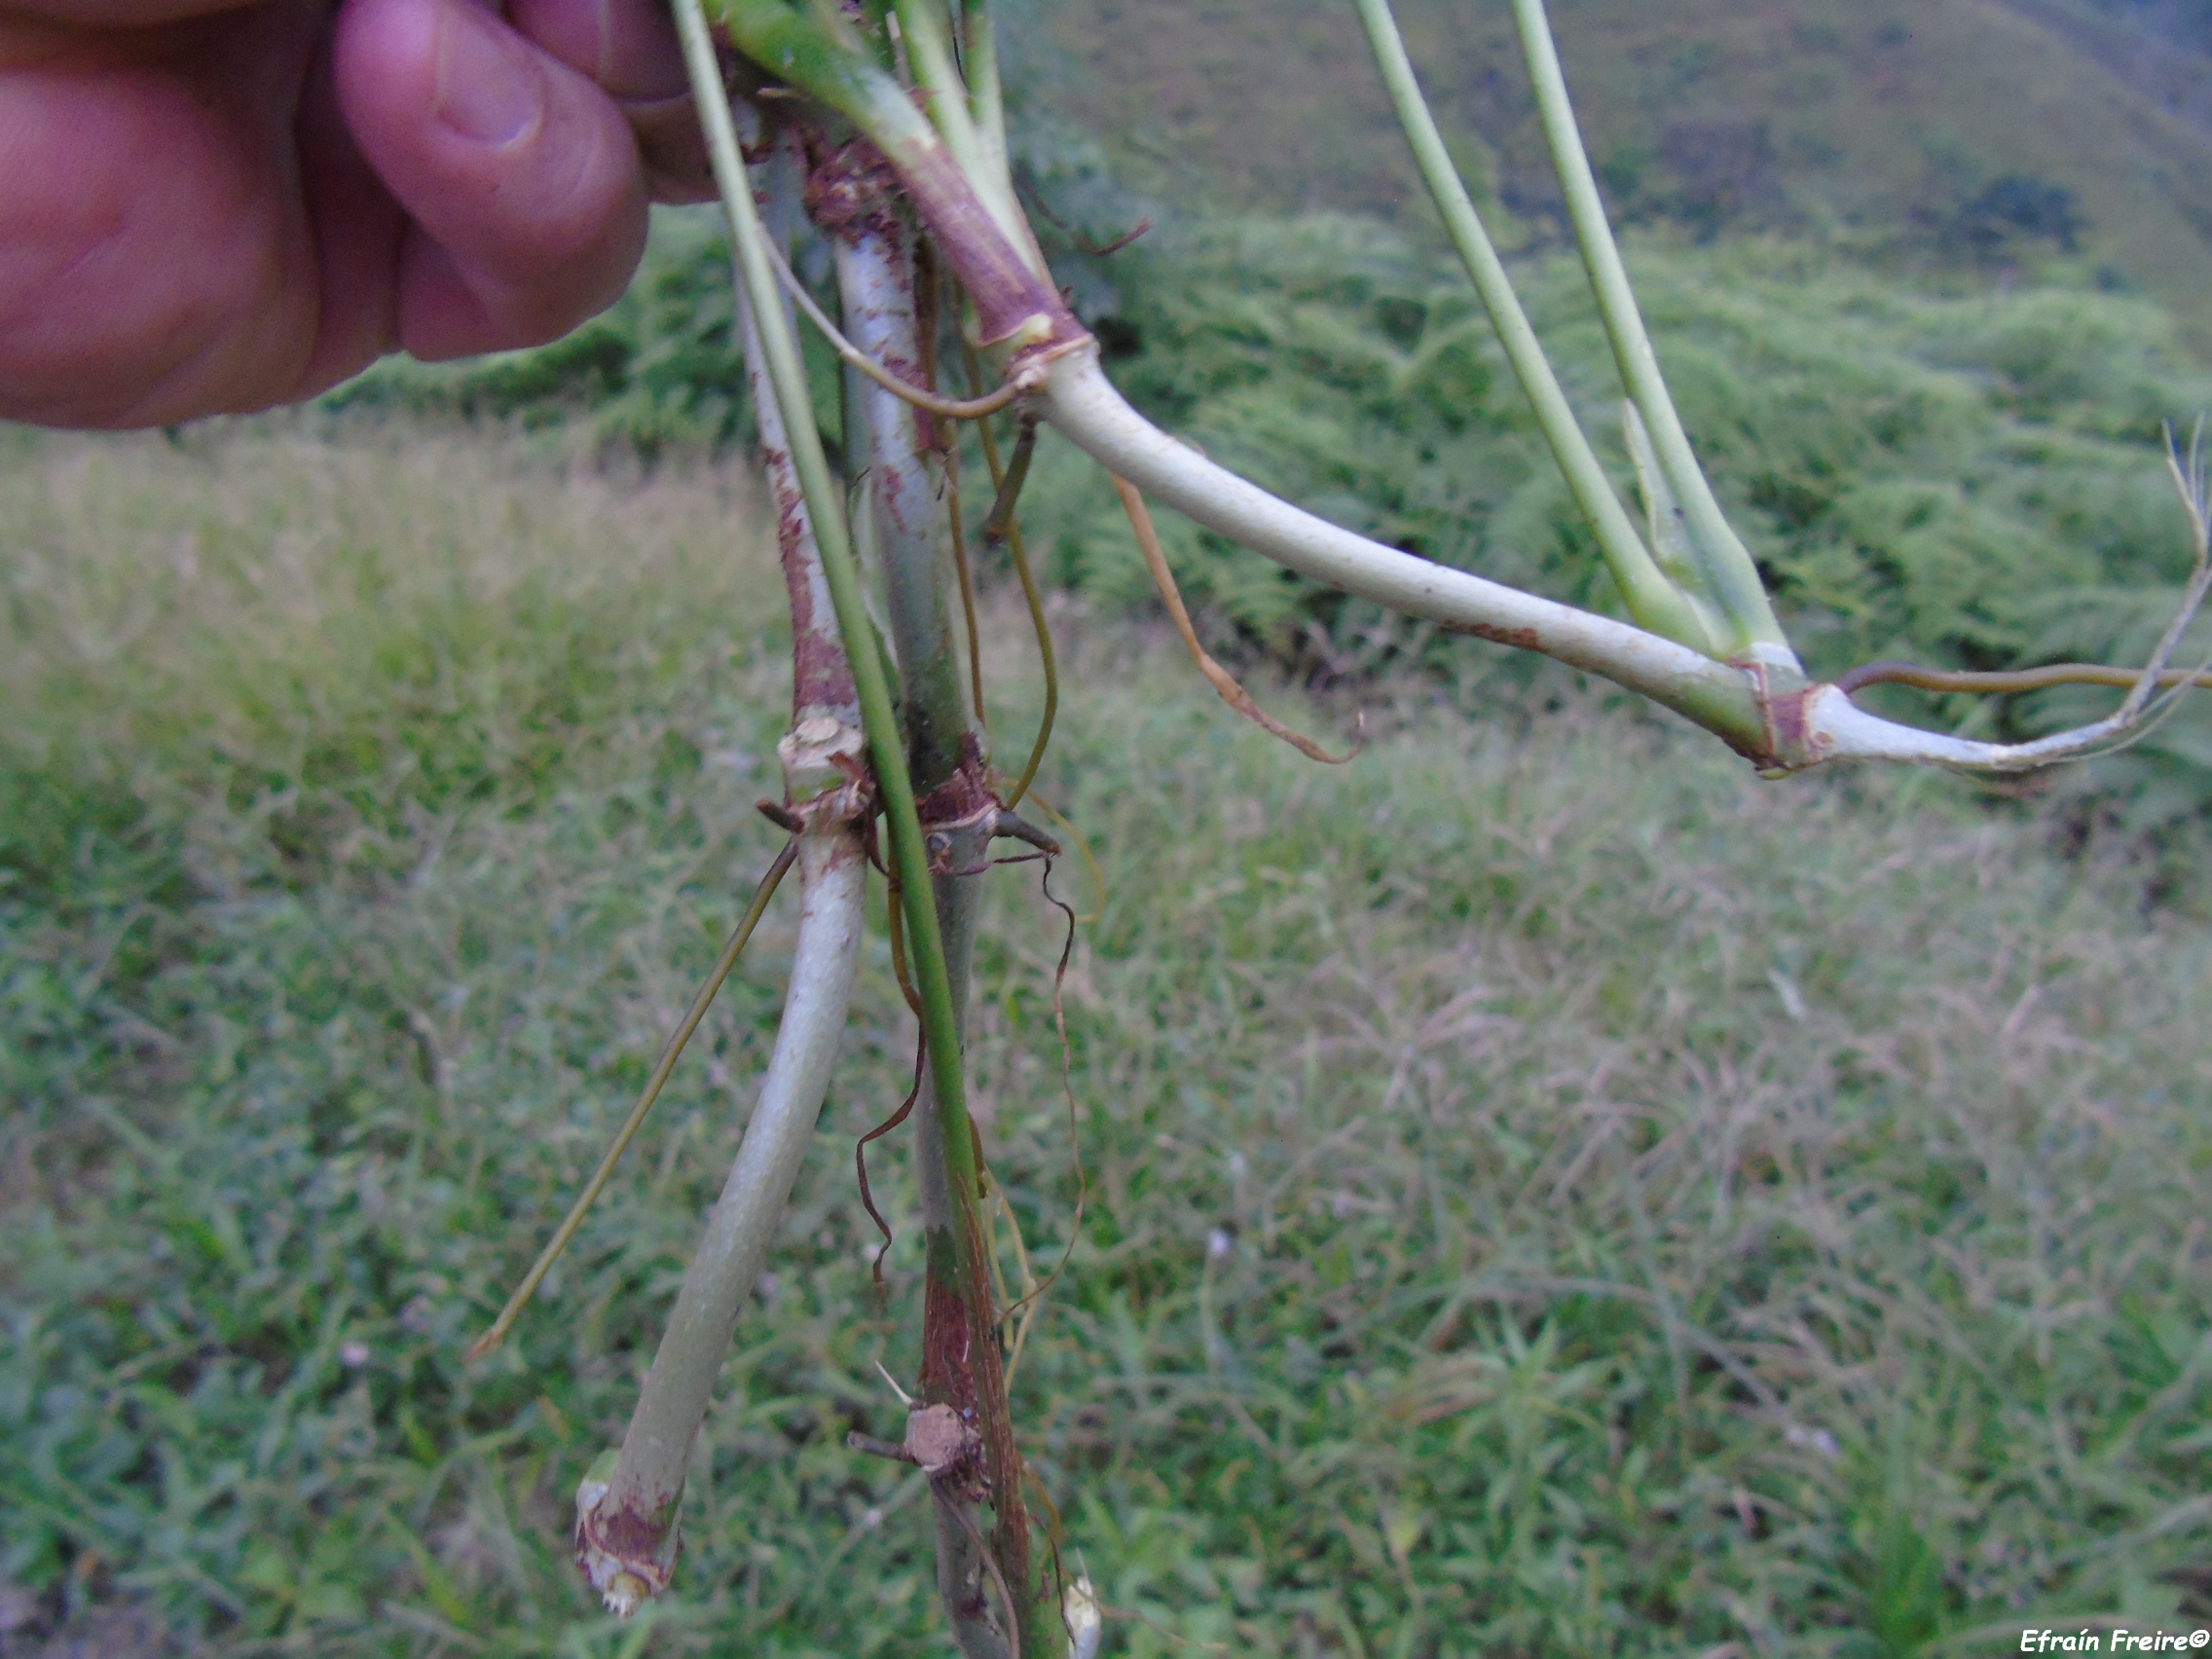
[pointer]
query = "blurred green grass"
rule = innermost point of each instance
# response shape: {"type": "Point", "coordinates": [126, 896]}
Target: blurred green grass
{"type": "Point", "coordinates": [1548, 1193]}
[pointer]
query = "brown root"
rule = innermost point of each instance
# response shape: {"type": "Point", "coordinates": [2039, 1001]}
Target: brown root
{"type": "Point", "coordinates": [2007, 683]}
{"type": "Point", "coordinates": [1218, 677]}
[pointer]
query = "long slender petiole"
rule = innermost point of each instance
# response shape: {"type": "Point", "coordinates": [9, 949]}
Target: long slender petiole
{"type": "Point", "coordinates": [1656, 602]}
{"type": "Point", "coordinates": [1731, 577]}
{"type": "Point", "coordinates": [1021, 556]}
{"type": "Point", "coordinates": [669, 1056]}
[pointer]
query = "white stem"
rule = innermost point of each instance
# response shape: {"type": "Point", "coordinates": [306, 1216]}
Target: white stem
{"type": "Point", "coordinates": [1077, 400]}
{"type": "Point", "coordinates": [1837, 729]}
{"type": "Point", "coordinates": [906, 485]}
{"type": "Point", "coordinates": [638, 1507]}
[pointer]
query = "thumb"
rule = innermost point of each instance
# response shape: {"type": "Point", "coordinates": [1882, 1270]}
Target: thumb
{"type": "Point", "coordinates": [521, 177]}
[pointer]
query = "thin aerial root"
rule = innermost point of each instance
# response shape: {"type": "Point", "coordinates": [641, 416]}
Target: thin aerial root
{"type": "Point", "coordinates": [860, 1158]}
{"type": "Point", "coordinates": [1081, 243]}
{"type": "Point", "coordinates": [1029, 593]}
{"type": "Point", "coordinates": [950, 408]}
{"type": "Point", "coordinates": [1218, 677]}
{"type": "Point", "coordinates": [1011, 481]}
{"type": "Point", "coordinates": [895, 915]}
{"type": "Point", "coordinates": [1044, 655]}
{"type": "Point", "coordinates": [1083, 852]}
{"type": "Point", "coordinates": [2001, 684]}
{"type": "Point", "coordinates": [669, 1056]}
{"type": "Point", "coordinates": [1033, 1298]}
{"type": "Point", "coordinates": [967, 581]}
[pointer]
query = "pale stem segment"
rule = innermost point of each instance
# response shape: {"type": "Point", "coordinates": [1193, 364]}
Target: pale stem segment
{"type": "Point", "coordinates": [778, 35]}
{"type": "Point", "coordinates": [627, 1539]}
{"type": "Point", "coordinates": [1082, 404]}
{"type": "Point", "coordinates": [627, 1527]}
{"type": "Point", "coordinates": [905, 487]}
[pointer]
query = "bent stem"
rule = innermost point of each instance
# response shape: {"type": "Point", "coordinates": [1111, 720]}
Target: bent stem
{"type": "Point", "coordinates": [1082, 404]}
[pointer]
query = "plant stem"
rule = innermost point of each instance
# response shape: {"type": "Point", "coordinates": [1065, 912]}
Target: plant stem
{"type": "Point", "coordinates": [875, 278]}
{"type": "Point", "coordinates": [986, 97]}
{"type": "Point", "coordinates": [627, 1526]}
{"type": "Point", "coordinates": [1731, 577]}
{"type": "Point", "coordinates": [786, 378]}
{"type": "Point", "coordinates": [876, 271]}
{"type": "Point", "coordinates": [930, 50]}
{"type": "Point", "coordinates": [1081, 403]}
{"type": "Point", "coordinates": [1654, 601]}
{"type": "Point", "coordinates": [626, 1542]}
{"type": "Point", "coordinates": [1015, 302]}
{"type": "Point", "coordinates": [960, 1252]}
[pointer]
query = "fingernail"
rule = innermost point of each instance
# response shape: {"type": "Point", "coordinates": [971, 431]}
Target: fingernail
{"type": "Point", "coordinates": [488, 88]}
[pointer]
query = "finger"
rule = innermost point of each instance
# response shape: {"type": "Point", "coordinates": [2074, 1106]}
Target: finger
{"type": "Point", "coordinates": [628, 46]}
{"type": "Point", "coordinates": [630, 49]}
{"type": "Point", "coordinates": [155, 264]}
{"type": "Point", "coordinates": [358, 230]}
{"type": "Point", "coordinates": [521, 178]}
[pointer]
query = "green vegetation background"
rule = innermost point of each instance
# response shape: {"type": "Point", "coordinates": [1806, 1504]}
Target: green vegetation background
{"type": "Point", "coordinates": [1548, 1193]}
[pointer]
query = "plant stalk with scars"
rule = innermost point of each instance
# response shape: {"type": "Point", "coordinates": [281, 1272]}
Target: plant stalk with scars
{"type": "Point", "coordinates": [898, 103]}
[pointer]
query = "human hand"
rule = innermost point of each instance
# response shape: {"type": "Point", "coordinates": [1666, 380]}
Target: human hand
{"type": "Point", "coordinates": [217, 205]}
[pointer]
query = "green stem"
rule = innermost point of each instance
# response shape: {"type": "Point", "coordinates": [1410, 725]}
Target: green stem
{"type": "Point", "coordinates": [986, 97]}
{"type": "Point", "coordinates": [967, 1271]}
{"type": "Point", "coordinates": [880, 718]}
{"type": "Point", "coordinates": [969, 207]}
{"type": "Point", "coordinates": [1652, 600]}
{"type": "Point", "coordinates": [1731, 576]}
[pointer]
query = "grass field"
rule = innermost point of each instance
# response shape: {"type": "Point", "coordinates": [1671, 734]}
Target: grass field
{"type": "Point", "coordinates": [1548, 1193]}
